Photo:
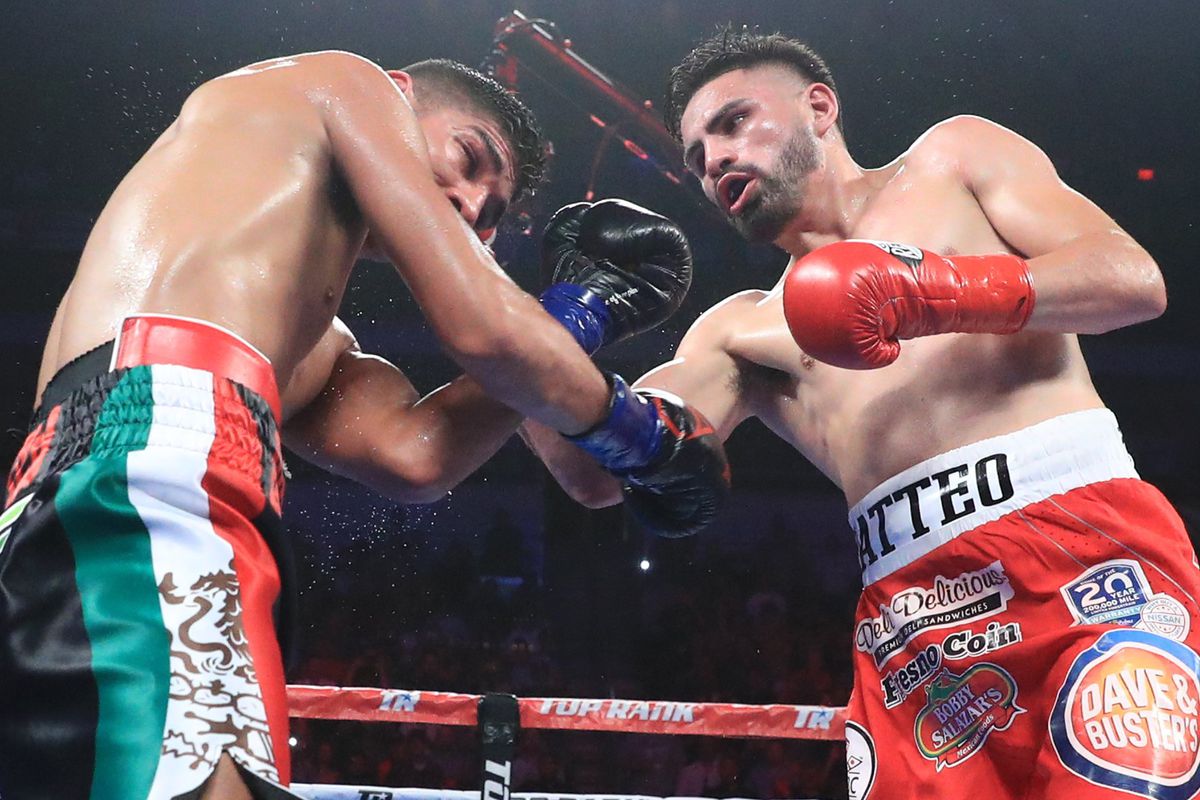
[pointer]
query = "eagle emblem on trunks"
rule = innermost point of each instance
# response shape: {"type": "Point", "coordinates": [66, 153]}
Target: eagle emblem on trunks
{"type": "Point", "coordinates": [215, 701]}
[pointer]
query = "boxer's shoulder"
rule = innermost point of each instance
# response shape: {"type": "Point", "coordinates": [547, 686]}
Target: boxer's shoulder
{"type": "Point", "coordinates": [717, 326]}
{"type": "Point", "coordinates": [960, 143]}
{"type": "Point", "coordinates": [749, 328]}
{"type": "Point", "coordinates": [954, 134]}
{"type": "Point", "coordinates": [327, 81]}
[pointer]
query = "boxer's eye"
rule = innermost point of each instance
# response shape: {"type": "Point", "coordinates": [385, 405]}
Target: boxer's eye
{"type": "Point", "coordinates": [471, 159]}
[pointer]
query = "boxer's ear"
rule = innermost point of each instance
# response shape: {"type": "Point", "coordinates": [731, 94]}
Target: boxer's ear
{"type": "Point", "coordinates": [403, 80]}
{"type": "Point", "coordinates": [824, 104]}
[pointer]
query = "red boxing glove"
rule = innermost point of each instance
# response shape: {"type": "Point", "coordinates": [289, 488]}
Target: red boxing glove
{"type": "Point", "coordinates": [849, 303]}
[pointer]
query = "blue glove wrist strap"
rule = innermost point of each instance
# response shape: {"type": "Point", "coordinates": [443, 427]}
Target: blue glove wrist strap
{"type": "Point", "coordinates": [580, 311]}
{"type": "Point", "coordinates": [629, 437]}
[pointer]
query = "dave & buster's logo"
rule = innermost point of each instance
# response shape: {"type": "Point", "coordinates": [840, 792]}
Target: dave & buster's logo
{"type": "Point", "coordinates": [962, 711]}
{"type": "Point", "coordinates": [1126, 716]}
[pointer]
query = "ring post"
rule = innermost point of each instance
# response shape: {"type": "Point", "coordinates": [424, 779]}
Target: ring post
{"type": "Point", "coordinates": [499, 719]}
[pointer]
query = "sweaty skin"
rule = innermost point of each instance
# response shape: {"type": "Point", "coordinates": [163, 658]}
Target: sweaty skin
{"type": "Point", "coordinates": [966, 186]}
{"type": "Point", "coordinates": [252, 207]}
{"type": "Point", "coordinates": [250, 211]}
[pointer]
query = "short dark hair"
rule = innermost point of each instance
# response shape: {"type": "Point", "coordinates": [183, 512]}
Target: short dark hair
{"type": "Point", "coordinates": [733, 48]}
{"type": "Point", "coordinates": [439, 81]}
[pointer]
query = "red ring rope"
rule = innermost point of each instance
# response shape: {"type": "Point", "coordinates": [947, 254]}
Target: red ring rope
{"type": "Point", "coordinates": [620, 716]}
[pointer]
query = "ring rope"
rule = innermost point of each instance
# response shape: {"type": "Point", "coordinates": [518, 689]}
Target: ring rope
{"type": "Point", "coordinates": [741, 720]}
{"type": "Point", "coordinates": [328, 791]}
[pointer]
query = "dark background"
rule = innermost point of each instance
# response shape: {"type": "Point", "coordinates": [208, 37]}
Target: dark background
{"type": "Point", "coordinates": [1105, 88]}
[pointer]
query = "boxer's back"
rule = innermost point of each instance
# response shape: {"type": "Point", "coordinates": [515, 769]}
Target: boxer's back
{"type": "Point", "coordinates": [235, 215]}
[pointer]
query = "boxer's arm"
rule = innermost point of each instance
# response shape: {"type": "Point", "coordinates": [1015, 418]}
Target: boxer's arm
{"type": "Point", "coordinates": [705, 374]}
{"type": "Point", "coordinates": [1090, 276]}
{"type": "Point", "coordinates": [367, 422]}
{"type": "Point", "coordinates": [496, 332]}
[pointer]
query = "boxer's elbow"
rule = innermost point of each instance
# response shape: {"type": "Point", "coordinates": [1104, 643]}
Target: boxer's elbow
{"type": "Point", "coordinates": [1144, 295]}
{"type": "Point", "coordinates": [1130, 290]}
{"type": "Point", "coordinates": [413, 480]}
{"type": "Point", "coordinates": [1155, 291]}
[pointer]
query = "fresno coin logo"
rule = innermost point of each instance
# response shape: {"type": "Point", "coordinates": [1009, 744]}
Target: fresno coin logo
{"type": "Point", "coordinates": [1128, 715]}
{"type": "Point", "coordinates": [963, 711]}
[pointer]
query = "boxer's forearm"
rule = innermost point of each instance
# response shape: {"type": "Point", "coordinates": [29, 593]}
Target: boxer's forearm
{"type": "Point", "coordinates": [1094, 284]}
{"type": "Point", "coordinates": [442, 440]}
{"type": "Point", "coordinates": [579, 476]}
{"type": "Point", "coordinates": [369, 425]}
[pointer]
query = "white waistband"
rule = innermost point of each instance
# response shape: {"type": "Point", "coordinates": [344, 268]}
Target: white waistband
{"type": "Point", "coordinates": [933, 502]}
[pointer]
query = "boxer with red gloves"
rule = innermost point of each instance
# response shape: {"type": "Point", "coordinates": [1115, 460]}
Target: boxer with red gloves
{"type": "Point", "coordinates": [849, 303]}
{"type": "Point", "coordinates": [1022, 588]}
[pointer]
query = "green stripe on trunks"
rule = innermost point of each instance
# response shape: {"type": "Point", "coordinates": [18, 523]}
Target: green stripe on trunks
{"type": "Point", "coordinates": [9, 517]}
{"type": "Point", "coordinates": [115, 574]}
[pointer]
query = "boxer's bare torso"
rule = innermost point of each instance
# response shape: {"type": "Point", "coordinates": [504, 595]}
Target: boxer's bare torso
{"type": "Point", "coordinates": [235, 215]}
{"type": "Point", "coordinates": [764, 145]}
{"type": "Point", "coordinates": [240, 215]}
{"type": "Point", "coordinates": [861, 427]}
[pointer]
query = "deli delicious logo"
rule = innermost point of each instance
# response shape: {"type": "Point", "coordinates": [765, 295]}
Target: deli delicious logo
{"type": "Point", "coordinates": [950, 601]}
{"type": "Point", "coordinates": [963, 711]}
{"type": "Point", "coordinates": [1126, 715]}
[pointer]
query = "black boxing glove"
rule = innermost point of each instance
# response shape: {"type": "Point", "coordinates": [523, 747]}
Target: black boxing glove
{"type": "Point", "coordinates": [614, 269]}
{"type": "Point", "coordinates": [674, 475]}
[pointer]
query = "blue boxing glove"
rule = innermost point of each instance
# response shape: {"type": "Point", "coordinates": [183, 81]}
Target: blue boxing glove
{"type": "Point", "coordinates": [672, 466]}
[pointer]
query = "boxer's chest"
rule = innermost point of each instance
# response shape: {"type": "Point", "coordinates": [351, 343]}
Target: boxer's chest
{"type": "Point", "coordinates": [863, 426]}
{"type": "Point", "coordinates": [929, 209]}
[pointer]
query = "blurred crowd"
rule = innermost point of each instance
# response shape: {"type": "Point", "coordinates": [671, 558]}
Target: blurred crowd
{"type": "Point", "coordinates": [717, 629]}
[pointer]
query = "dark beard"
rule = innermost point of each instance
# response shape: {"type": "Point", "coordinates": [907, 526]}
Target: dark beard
{"type": "Point", "coordinates": [780, 193]}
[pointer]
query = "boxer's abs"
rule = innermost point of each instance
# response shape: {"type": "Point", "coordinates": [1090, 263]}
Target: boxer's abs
{"type": "Point", "coordinates": [943, 392]}
{"type": "Point", "coordinates": [235, 216]}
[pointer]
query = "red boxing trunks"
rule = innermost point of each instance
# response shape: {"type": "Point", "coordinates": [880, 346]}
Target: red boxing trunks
{"type": "Point", "coordinates": [138, 585]}
{"type": "Point", "coordinates": [1028, 626]}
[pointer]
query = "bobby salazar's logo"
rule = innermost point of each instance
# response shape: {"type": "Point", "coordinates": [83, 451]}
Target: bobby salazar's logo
{"type": "Point", "coordinates": [962, 711]}
{"type": "Point", "coordinates": [1126, 715]}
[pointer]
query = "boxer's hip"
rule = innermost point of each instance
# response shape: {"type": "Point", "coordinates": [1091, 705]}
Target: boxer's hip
{"type": "Point", "coordinates": [164, 383]}
{"type": "Point", "coordinates": [991, 575]}
{"type": "Point", "coordinates": [932, 503]}
{"type": "Point", "coordinates": [140, 571]}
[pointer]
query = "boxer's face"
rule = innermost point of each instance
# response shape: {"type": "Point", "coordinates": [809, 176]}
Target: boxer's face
{"type": "Point", "coordinates": [472, 163]}
{"type": "Point", "coordinates": [471, 160]}
{"type": "Point", "coordinates": [749, 137]}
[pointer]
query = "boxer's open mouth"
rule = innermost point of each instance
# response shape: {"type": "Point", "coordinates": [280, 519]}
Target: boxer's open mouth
{"type": "Point", "coordinates": [731, 189]}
